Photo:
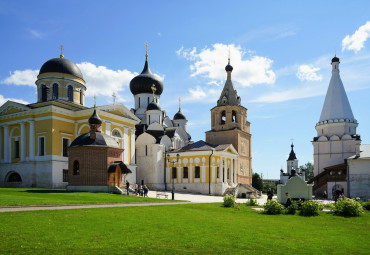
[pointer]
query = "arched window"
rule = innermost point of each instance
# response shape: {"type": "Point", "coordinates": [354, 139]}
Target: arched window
{"type": "Point", "coordinates": [14, 177]}
{"type": "Point", "coordinates": [76, 168]}
{"type": "Point", "coordinates": [55, 91]}
{"type": "Point", "coordinates": [149, 120]}
{"type": "Point", "coordinates": [234, 119]}
{"type": "Point", "coordinates": [139, 102]}
{"type": "Point", "coordinates": [115, 133]}
{"type": "Point", "coordinates": [148, 100]}
{"type": "Point", "coordinates": [228, 173]}
{"type": "Point", "coordinates": [223, 117]}
{"type": "Point", "coordinates": [44, 93]}
{"type": "Point", "coordinates": [70, 93]}
{"type": "Point", "coordinates": [81, 97]}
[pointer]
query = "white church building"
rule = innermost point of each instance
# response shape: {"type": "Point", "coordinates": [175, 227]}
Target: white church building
{"type": "Point", "coordinates": [341, 163]}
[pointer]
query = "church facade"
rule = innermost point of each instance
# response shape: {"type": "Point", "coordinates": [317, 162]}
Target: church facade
{"type": "Point", "coordinates": [34, 138]}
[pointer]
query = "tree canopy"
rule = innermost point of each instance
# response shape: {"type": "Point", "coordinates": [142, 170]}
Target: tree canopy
{"type": "Point", "coordinates": [308, 169]}
{"type": "Point", "coordinates": [257, 181]}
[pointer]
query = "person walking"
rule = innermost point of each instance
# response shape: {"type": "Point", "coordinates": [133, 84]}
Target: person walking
{"type": "Point", "coordinates": [146, 190]}
{"type": "Point", "coordinates": [128, 187]}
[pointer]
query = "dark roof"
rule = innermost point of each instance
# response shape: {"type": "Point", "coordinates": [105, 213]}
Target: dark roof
{"type": "Point", "coordinates": [61, 65]}
{"type": "Point", "coordinates": [94, 119]}
{"type": "Point", "coordinates": [101, 140]}
{"type": "Point", "coordinates": [292, 154]}
{"type": "Point", "coordinates": [202, 146]}
{"type": "Point", "coordinates": [170, 131]}
{"type": "Point", "coordinates": [144, 81]}
{"type": "Point", "coordinates": [179, 116]}
{"type": "Point", "coordinates": [157, 134]}
{"type": "Point", "coordinates": [153, 106]}
{"type": "Point", "coordinates": [335, 59]}
{"type": "Point", "coordinates": [124, 169]}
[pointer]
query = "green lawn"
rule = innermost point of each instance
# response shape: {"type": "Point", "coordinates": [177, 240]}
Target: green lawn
{"type": "Point", "coordinates": [180, 229]}
{"type": "Point", "coordinates": [12, 197]}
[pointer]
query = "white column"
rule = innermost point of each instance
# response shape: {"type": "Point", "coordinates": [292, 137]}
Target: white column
{"type": "Point", "coordinates": [235, 172]}
{"type": "Point", "coordinates": [190, 180]}
{"type": "Point", "coordinates": [225, 171]}
{"type": "Point", "coordinates": [31, 144]}
{"type": "Point", "coordinates": [178, 169]}
{"type": "Point", "coordinates": [125, 145]}
{"type": "Point", "coordinates": [76, 130]}
{"type": "Point", "coordinates": [232, 172]}
{"type": "Point", "coordinates": [107, 127]}
{"type": "Point", "coordinates": [23, 142]}
{"type": "Point", "coordinates": [6, 144]}
{"type": "Point", "coordinates": [213, 174]}
{"type": "Point", "coordinates": [133, 146]}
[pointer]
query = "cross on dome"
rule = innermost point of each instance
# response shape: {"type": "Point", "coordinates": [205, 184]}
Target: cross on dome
{"type": "Point", "coordinates": [61, 51]}
{"type": "Point", "coordinates": [146, 50]}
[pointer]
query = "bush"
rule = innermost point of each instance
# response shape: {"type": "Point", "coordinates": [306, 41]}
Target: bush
{"type": "Point", "coordinates": [366, 205]}
{"type": "Point", "coordinates": [273, 207]}
{"type": "Point", "coordinates": [292, 208]}
{"type": "Point", "coordinates": [310, 208]}
{"type": "Point", "coordinates": [252, 201]}
{"type": "Point", "coordinates": [229, 201]}
{"type": "Point", "coordinates": [347, 207]}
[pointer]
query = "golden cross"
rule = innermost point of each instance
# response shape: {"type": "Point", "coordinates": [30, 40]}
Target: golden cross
{"type": "Point", "coordinates": [154, 90]}
{"type": "Point", "coordinates": [229, 55]}
{"type": "Point", "coordinates": [114, 97]}
{"type": "Point", "coordinates": [94, 101]}
{"type": "Point", "coordinates": [61, 51]}
{"type": "Point", "coordinates": [179, 104]}
{"type": "Point", "coordinates": [146, 49]}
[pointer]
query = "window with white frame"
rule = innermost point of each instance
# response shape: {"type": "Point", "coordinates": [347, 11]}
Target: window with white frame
{"type": "Point", "coordinates": [41, 146]}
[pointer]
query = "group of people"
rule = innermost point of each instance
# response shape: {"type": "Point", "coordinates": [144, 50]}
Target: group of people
{"type": "Point", "coordinates": [141, 190]}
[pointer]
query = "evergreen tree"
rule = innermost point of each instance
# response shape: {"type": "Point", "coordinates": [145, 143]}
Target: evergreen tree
{"type": "Point", "coordinates": [257, 181]}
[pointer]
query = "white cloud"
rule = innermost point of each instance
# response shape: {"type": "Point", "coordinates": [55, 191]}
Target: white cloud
{"type": "Point", "coordinates": [211, 62]}
{"type": "Point", "coordinates": [36, 34]}
{"type": "Point", "coordinates": [308, 73]}
{"type": "Point", "coordinates": [22, 78]}
{"type": "Point", "coordinates": [3, 100]}
{"type": "Point", "coordinates": [199, 94]}
{"type": "Point", "coordinates": [103, 81]}
{"type": "Point", "coordinates": [356, 41]}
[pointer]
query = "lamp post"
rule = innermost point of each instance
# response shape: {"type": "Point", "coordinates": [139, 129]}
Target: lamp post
{"type": "Point", "coordinates": [173, 179]}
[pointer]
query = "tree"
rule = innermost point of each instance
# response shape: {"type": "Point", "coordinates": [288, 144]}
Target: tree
{"type": "Point", "coordinates": [308, 169]}
{"type": "Point", "coordinates": [257, 181]}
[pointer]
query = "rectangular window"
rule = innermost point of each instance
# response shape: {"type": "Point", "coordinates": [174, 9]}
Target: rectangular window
{"type": "Point", "coordinates": [174, 173]}
{"type": "Point", "coordinates": [197, 172]}
{"type": "Point", "coordinates": [218, 172]}
{"type": "Point", "coordinates": [65, 175]}
{"type": "Point", "coordinates": [65, 147]}
{"type": "Point", "coordinates": [41, 146]}
{"type": "Point", "coordinates": [185, 173]}
{"type": "Point", "coordinates": [16, 149]}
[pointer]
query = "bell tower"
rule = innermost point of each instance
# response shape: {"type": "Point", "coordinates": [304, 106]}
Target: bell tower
{"type": "Point", "coordinates": [229, 124]}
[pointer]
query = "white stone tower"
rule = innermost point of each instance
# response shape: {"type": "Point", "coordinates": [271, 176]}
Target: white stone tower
{"type": "Point", "coordinates": [336, 137]}
{"type": "Point", "coordinates": [292, 162]}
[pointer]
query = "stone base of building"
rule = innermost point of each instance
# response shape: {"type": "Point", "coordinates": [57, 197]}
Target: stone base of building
{"type": "Point", "coordinates": [97, 189]}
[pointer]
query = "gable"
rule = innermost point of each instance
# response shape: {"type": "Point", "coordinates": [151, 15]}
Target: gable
{"type": "Point", "coordinates": [11, 107]}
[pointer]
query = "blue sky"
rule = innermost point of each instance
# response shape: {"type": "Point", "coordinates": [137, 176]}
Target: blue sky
{"type": "Point", "coordinates": [280, 51]}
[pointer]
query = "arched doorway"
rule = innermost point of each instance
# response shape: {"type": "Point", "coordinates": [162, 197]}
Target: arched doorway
{"type": "Point", "coordinates": [337, 190]}
{"type": "Point", "coordinates": [13, 179]}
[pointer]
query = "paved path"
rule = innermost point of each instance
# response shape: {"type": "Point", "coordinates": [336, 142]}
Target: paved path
{"type": "Point", "coordinates": [185, 198]}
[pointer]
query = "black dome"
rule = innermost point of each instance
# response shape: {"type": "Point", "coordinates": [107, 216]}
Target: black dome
{"type": "Point", "coordinates": [335, 59]}
{"type": "Point", "coordinates": [229, 68]}
{"type": "Point", "coordinates": [153, 106]}
{"type": "Point", "coordinates": [144, 81]}
{"type": "Point", "coordinates": [60, 65]}
{"type": "Point", "coordinates": [179, 116]}
{"type": "Point", "coordinates": [94, 119]}
{"type": "Point", "coordinates": [101, 140]}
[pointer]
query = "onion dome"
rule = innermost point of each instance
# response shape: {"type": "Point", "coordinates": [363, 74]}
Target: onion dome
{"type": "Point", "coordinates": [179, 116]}
{"type": "Point", "coordinates": [94, 119]}
{"type": "Point", "coordinates": [292, 154]}
{"type": "Point", "coordinates": [153, 106]}
{"type": "Point", "coordinates": [143, 82]}
{"type": "Point", "coordinates": [335, 59]}
{"type": "Point", "coordinates": [61, 65]}
{"type": "Point", "coordinates": [229, 67]}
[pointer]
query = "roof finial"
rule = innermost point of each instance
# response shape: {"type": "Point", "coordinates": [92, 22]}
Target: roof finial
{"type": "Point", "coordinates": [292, 143]}
{"type": "Point", "coordinates": [61, 51]}
{"type": "Point", "coordinates": [114, 97]}
{"type": "Point", "coordinates": [146, 50]}
{"type": "Point", "coordinates": [229, 56]}
{"type": "Point", "coordinates": [94, 101]}
{"type": "Point", "coordinates": [154, 90]}
{"type": "Point", "coordinates": [179, 104]}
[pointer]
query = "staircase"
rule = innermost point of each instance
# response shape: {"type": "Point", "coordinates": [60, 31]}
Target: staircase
{"type": "Point", "coordinates": [248, 189]}
{"type": "Point", "coordinates": [117, 190]}
{"type": "Point", "coordinates": [230, 191]}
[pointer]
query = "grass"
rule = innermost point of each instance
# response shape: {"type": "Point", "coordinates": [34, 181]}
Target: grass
{"type": "Point", "coordinates": [180, 229]}
{"type": "Point", "coordinates": [20, 197]}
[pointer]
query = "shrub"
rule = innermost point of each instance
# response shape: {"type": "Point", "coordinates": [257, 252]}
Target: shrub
{"type": "Point", "coordinates": [273, 207]}
{"type": "Point", "coordinates": [310, 208]}
{"type": "Point", "coordinates": [229, 201]}
{"type": "Point", "coordinates": [292, 208]}
{"type": "Point", "coordinates": [366, 205]}
{"type": "Point", "coordinates": [252, 201]}
{"type": "Point", "coordinates": [347, 207]}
